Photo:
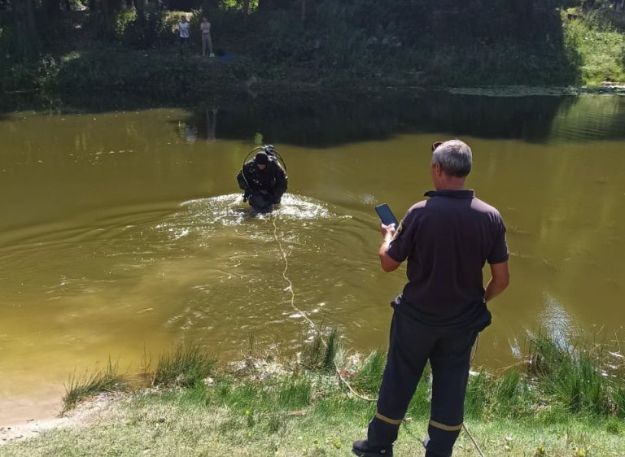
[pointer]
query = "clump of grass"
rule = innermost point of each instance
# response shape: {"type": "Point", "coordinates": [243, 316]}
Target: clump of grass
{"type": "Point", "coordinates": [507, 395]}
{"type": "Point", "coordinates": [78, 389]}
{"type": "Point", "coordinates": [321, 352]}
{"type": "Point", "coordinates": [185, 366]}
{"type": "Point", "coordinates": [574, 376]}
{"type": "Point", "coordinates": [478, 399]}
{"type": "Point", "coordinates": [560, 379]}
{"type": "Point", "coordinates": [294, 393]}
{"type": "Point", "coordinates": [369, 376]}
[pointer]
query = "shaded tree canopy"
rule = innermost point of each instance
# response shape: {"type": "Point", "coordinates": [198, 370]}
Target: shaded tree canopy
{"type": "Point", "coordinates": [448, 37]}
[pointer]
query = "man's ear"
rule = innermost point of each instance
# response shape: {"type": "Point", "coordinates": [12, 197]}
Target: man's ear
{"type": "Point", "coordinates": [436, 144]}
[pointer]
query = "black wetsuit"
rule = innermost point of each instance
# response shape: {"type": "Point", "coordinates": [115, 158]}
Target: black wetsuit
{"type": "Point", "coordinates": [263, 188]}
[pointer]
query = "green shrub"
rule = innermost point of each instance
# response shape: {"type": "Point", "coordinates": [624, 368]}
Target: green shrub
{"type": "Point", "coordinates": [600, 46]}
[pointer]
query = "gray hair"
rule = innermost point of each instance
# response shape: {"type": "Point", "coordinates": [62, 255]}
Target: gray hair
{"type": "Point", "coordinates": [454, 157]}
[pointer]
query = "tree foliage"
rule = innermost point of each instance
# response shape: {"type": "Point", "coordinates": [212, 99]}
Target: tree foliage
{"type": "Point", "coordinates": [359, 36]}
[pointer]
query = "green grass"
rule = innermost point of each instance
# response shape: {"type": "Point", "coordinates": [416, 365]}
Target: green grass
{"type": "Point", "coordinates": [567, 400]}
{"type": "Point", "coordinates": [185, 366]}
{"type": "Point", "coordinates": [579, 377]}
{"type": "Point", "coordinates": [369, 376]}
{"type": "Point", "coordinates": [321, 353]}
{"type": "Point", "coordinates": [101, 381]}
{"type": "Point", "coordinates": [239, 418]}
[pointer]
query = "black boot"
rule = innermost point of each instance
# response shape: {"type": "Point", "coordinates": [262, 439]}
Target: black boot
{"type": "Point", "coordinates": [362, 448]}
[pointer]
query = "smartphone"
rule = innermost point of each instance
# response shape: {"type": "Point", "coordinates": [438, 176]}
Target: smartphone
{"type": "Point", "coordinates": [386, 215]}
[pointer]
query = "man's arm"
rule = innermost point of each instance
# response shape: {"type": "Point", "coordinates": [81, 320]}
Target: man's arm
{"type": "Point", "coordinates": [281, 181]}
{"type": "Point", "coordinates": [280, 186]}
{"type": "Point", "coordinates": [386, 261]}
{"type": "Point", "coordinates": [500, 278]}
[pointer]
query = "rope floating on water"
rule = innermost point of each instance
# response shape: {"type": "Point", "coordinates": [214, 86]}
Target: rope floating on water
{"type": "Point", "coordinates": [314, 326]}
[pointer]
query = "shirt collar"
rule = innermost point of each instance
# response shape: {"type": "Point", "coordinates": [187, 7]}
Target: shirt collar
{"type": "Point", "coordinates": [462, 193]}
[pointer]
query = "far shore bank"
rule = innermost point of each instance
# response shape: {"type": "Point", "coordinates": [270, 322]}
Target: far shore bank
{"type": "Point", "coordinates": [114, 98]}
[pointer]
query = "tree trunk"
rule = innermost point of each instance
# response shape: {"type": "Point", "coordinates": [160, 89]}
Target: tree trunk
{"type": "Point", "coordinates": [52, 7]}
{"type": "Point", "coordinates": [140, 7]}
{"type": "Point", "coordinates": [31, 25]}
{"type": "Point", "coordinates": [264, 5]}
{"type": "Point", "coordinates": [303, 10]}
{"type": "Point", "coordinates": [105, 10]}
{"type": "Point", "coordinates": [26, 27]}
{"type": "Point", "coordinates": [524, 8]}
{"type": "Point", "coordinates": [207, 7]}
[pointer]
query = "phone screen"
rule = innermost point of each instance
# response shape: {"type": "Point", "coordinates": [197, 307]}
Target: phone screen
{"type": "Point", "coordinates": [386, 215]}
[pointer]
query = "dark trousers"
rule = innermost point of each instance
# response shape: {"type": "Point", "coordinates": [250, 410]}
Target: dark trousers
{"type": "Point", "coordinates": [412, 344]}
{"type": "Point", "coordinates": [183, 43]}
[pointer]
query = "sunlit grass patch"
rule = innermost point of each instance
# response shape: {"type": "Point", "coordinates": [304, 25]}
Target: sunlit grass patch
{"type": "Point", "coordinates": [369, 376]}
{"type": "Point", "coordinates": [522, 411]}
{"type": "Point", "coordinates": [102, 381]}
{"type": "Point", "coordinates": [600, 46]}
{"type": "Point", "coordinates": [294, 393]}
{"type": "Point", "coordinates": [321, 352]}
{"type": "Point", "coordinates": [185, 366]}
{"type": "Point", "coordinates": [579, 375]}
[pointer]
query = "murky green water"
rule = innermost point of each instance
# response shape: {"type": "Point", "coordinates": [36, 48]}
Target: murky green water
{"type": "Point", "coordinates": [123, 232]}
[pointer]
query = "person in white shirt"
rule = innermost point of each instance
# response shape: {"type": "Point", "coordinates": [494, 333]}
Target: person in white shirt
{"type": "Point", "coordinates": [184, 28]}
{"type": "Point", "coordinates": [207, 41]}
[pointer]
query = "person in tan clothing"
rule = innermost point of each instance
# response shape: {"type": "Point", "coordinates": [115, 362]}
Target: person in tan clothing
{"type": "Point", "coordinates": [207, 41]}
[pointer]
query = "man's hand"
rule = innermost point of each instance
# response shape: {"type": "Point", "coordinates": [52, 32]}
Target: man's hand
{"type": "Point", "coordinates": [387, 230]}
{"type": "Point", "coordinates": [387, 263]}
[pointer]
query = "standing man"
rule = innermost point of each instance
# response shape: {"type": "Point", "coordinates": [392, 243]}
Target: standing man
{"type": "Point", "coordinates": [447, 239]}
{"type": "Point", "coordinates": [207, 41]}
{"type": "Point", "coordinates": [263, 180]}
{"type": "Point", "coordinates": [184, 32]}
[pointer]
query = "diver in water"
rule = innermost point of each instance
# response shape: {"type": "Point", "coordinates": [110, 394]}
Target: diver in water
{"type": "Point", "coordinates": [263, 180]}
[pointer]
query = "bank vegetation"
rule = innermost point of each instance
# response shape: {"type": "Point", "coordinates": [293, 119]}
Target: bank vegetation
{"type": "Point", "coordinates": [562, 399]}
{"type": "Point", "coordinates": [58, 47]}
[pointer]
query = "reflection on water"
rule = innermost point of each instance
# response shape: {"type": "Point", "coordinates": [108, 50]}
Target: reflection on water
{"type": "Point", "coordinates": [558, 323]}
{"type": "Point", "coordinates": [125, 232]}
{"type": "Point", "coordinates": [315, 120]}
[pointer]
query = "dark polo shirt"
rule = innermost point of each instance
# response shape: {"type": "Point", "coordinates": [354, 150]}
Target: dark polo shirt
{"type": "Point", "coordinates": [447, 239]}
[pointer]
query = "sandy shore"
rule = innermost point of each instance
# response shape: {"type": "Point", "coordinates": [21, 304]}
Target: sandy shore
{"type": "Point", "coordinates": [83, 415]}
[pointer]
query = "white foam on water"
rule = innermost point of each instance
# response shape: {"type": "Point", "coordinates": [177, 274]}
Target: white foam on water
{"type": "Point", "coordinates": [230, 209]}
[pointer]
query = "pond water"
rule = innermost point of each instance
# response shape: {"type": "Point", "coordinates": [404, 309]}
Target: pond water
{"type": "Point", "coordinates": [124, 232]}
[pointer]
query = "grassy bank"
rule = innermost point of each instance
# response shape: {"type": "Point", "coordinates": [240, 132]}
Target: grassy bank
{"type": "Point", "coordinates": [331, 50]}
{"type": "Point", "coordinates": [562, 401]}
